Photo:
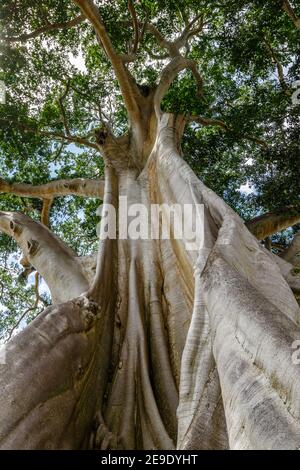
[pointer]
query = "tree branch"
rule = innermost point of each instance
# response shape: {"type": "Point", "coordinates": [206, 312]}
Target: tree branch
{"type": "Point", "coordinates": [289, 10]}
{"type": "Point", "coordinates": [135, 26]}
{"type": "Point", "coordinates": [78, 186]}
{"type": "Point", "coordinates": [173, 47]}
{"type": "Point", "coordinates": [272, 222]}
{"type": "Point", "coordinates": [178, 62]}
{"type": "Point", "coordinates": [57, 360]}
{"type": "Point", "coordinates": [126, 81]}
{"type": "Point", "coordinates": [68, 138]}
{"type": "Point", "coordinates": [260, 142]}
{"type": "Point", "coordinates": [49, 255]}
{"type": "Point", "coordinates": [62, 108]}
{"type": "Point", "coordinates": [53, 135]}
{"type": "Point", "coordinates": [45, 29]}
{"type": "Point", "coordinates": [155, 56]}
{"type": "Point", "coordinates": [45, 217]}
{"type": "Point", "coordinates": [223, 125]}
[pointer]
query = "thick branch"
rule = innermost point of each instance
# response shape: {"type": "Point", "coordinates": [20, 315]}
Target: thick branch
{"type": "Point", "coordinates": [56, 262]}
{"type": "Point", "coordinates": [168, 75]}
{"type": "Point", "coordinates": [45, 29]}
{"type": "Point", "coordinates": [45, 215]}
{"type": "Point", "coordinates": [273, 222]}
{"type": "Point", "coordinates": [47, 192]}
{"type": "Point", "coordinates": [62, 108]}
{"type": "Point", "coordinates": [257, 141]}
{"type": "Point", "coordinates": [135, 26]}
{"type": "Point", "coordinates": [161, 41]}
{"type": "Point", "coordinates": [126, 81]}
{"type": "Point", "coordinates": [188, 32]}
{"type": "Point", "coordinates": [78, 186]}
{"type": "Point", "coordinates": [173, 47]}
{"type": "Point", "coordinates": [51, 368]}
{"type": "Point", "coordinates": [45, 219]}
{"type": "Point", "coordinates": [68, 138]}
{"type": "Point", "coordinates": [289, 10]}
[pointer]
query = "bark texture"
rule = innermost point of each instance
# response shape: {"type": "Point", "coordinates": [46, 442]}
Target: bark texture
{"type": "Point", "coordinates": [55, 261]}
{"type": "Point", "coordinates": [166, 347]}
{"type": "Point", "coordinates": [267, 224]}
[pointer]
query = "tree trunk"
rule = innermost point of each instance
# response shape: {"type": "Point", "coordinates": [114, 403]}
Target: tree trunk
{"type": "Point", "coordinates": [168, 347]}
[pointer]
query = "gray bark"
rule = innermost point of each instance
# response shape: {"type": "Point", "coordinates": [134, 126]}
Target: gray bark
{"type": "Point", "coordinates": [188, 349]}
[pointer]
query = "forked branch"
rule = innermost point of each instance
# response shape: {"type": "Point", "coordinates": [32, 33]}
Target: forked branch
{"type": "Point", "coordinates": [49, 255]}
{"type": "Point", "coordinates": [173, 47]}
{"type": "Point", "coordinates": [290, 11]}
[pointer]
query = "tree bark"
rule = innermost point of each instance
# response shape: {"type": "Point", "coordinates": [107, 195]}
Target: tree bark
{"type": "Point", "coordinates": [188, 349]}
{"type": "Point", "coordinates": [56, 262]}
{"type": "Point", "coordinates": [267, 224]}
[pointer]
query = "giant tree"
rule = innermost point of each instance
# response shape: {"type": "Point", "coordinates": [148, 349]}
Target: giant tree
{"type": "Point", "coordinates": [145, 343]}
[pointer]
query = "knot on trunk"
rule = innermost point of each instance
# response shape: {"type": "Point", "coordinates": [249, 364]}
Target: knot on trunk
{"type": "Point", "coordinates": [15, 228]}
{"type": "Point", "coordinates": [32, 246]}
{"type": "Point", "coordinates": [101, 135]}
{"type": "Point", "coordinates": [90, 311]}
{"type": "Point", "coordinates": [145, 90]}
{"type": "Point", "coordinates": [101, 437]}
{"type": "Point", "coordinates": [4, 186]}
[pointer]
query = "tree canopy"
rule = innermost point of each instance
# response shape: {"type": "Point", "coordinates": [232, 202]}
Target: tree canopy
{"type": "Point", "coordinates": [61, 88]}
